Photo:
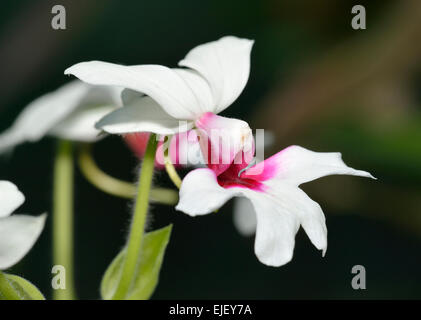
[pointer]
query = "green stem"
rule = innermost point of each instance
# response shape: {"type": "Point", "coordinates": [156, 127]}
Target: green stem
{"type": "Point", "coordinates": [63, 218]}
{"type": "Point", "coordinates": [7, 292]}
{"type": "Point", "coordinates": [137, 227]}
{"type": "Point", "coordinates": [169, 167]}
{"type": "Point", "coordinates": [116, 187]}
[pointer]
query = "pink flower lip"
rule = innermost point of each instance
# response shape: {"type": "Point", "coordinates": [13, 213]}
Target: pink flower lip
{"type": "Point", "coordinates": [241, 183]}
{"type": "Point", "coordinates": [230, 179]}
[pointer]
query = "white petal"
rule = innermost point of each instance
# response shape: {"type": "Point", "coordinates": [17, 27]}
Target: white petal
{"type": "Point", "coordinates": [80, 125]}
{"type": "Point", "coordinates": [244, 217]}
{"type": "Point", "coordinates": [307, 211]}
{"type": "Point", "coordinates": [162, 84]}
{"type": "Point", "coordinates": [10, 198]}
{"type": "Point", "coordinates": [300, 165]}
{"type": "Point", "coordinates": [142, 115]}
{"type": "Point", "coordinates": [296, 165]}
{"type": "Point", "coordinates": [225, 64]}
{"type": "Point", "coordinates": [280, 212]}
{"type": "Point", "coordinates": [197, 84]}
{"type": "Point", "coordinates": [200, 88]}
{"type": "Point", "coordinates": [311, 218]}
{"type": "Point", "coordinates": [277, 226]}
{"type": "Point", "coordinates": [201, 194]}
{"type": "Point", "coordinates": [99, 96]}
{"type": "Point", "coordinates": [18, 234]}
{"type": "Point", "coordinates": [129, 96]}
{"type": "Point", "coordinates": [44, 113]}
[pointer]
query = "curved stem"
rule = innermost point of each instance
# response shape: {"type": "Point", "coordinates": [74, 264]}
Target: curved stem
{"type": "Point", "coordinates": [116, 187]}
{"type": "Point", "coordinates": [169, 167]}
{"type": "Point", "coordinates": [134, 244]}
{"type": "Point", "coordinates": [7, 292]}
{"type": "Point", "coordinates": [63, 217]}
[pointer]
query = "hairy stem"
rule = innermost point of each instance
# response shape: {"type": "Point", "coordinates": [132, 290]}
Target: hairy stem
{"type": "Point", "coordinates": [134, 244]}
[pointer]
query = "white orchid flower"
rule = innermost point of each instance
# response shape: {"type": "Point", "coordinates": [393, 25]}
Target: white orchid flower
{"type": "Point", "coordinates": [18, 233]}
{"type": "Point", "coordinates": [215, 74]}
{"type": "Point", "coordinates": [184, 150]}
{"type": "Point", "coordinates": [69, 113]}
{"type": "Point", "coordinates": [272, 186]}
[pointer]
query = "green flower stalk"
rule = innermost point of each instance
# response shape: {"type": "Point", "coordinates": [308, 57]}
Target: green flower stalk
{"type": "Point", "coordinates": [63, 218]}
{"type": "Point", "coordinates": [134, 244]}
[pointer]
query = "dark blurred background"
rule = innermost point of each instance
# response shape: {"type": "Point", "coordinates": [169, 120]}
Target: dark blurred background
{"type": "Point", "coordinates": [314, 81]}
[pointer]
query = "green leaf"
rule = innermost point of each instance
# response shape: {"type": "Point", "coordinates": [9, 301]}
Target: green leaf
{"type": "Point", "coordinates": [23, 288]}
{"type": "Point", "coordinates": [112, 276]}
{"type": "Point", "coordinates": [151, 256]}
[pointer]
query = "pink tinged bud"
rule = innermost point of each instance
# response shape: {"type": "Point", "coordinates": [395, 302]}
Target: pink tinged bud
{"type": "Point", "coordinates": [137, 142]}
{"type": "Point", "coordinates": [224, 141]}
{"type": "Point", "coordinates": [180, 148]}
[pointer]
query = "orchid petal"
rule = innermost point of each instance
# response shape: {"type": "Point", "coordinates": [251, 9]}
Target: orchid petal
{"type": "Point", "coordinates": [142, 115]}
{"type": "Point", "coordinates": [80, 125]}
{"type": "Point", "coordinates": [225, 64]}
{"type": "Point", "coordinates": [201, 194]}
{"type": "Point", "coordinates": [43, 114]}
{"type": "Point", "coordinates": [311, 218]}
{"type": "Point", "coordinates": [10, 198]}
{"type": "Point", "coordinates": [18, 234]}
{"type": "Point", "coordinates": [162, 84]}
{"type": "Point", "coordinates": [200, 88]}
{"type": "Point", "coordinates": [49, 114]}
{"type": "Point", "coordinates": [296, 165]}
{"type": "Point", "coordinates": [224, 139]}
{"type": "Point", "coordinates": [276, 229]}
{"type": "Point", "coordinates": [280, 211]}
